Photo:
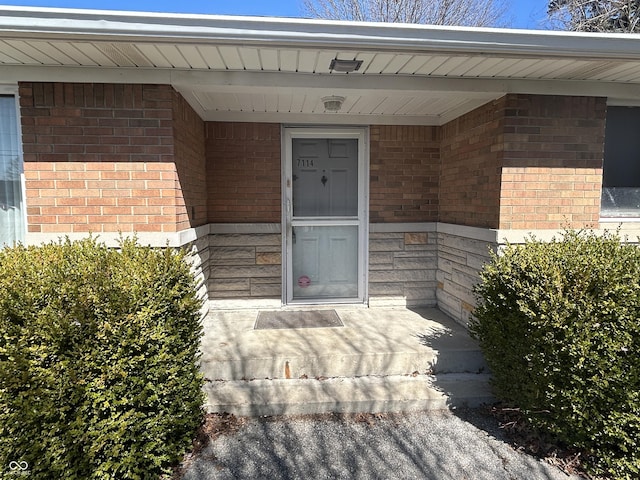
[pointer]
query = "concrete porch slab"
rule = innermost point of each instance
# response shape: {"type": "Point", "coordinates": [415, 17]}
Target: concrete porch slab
{"type": "Point", "coordinates": [373, 341]}
{"type": "Point", "coordinates": [382, 359]}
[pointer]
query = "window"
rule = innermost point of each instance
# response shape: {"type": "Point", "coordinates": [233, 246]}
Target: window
{"type": "Point", "coordinates": [621, 175]}
{"type": "Point", "coordinates": [12, 213]}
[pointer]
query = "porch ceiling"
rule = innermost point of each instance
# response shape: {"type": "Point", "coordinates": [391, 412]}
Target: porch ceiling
{"type": "Point", "coordinates": [244, 68]}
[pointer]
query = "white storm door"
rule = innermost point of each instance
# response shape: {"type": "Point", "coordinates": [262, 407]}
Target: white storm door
{"type": "Point", "coordinates": [325, 212]}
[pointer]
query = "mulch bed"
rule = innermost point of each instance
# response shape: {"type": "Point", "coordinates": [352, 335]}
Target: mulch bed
{"type": "Point", "coordinates": [524, 439]}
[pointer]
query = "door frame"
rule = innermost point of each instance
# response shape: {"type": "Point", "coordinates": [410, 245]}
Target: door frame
{"type": "Point", "coordinates": [361, 134]}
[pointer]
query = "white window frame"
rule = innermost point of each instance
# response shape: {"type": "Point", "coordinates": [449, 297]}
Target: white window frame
{"type": "Point", "coordinates": [12, 90]}
{"type": "Point", "coordinates": [616, 219]}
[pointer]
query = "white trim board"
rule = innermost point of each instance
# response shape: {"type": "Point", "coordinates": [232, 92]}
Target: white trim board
{"type": "Point", "coordinates": [153, 239]}
{"type": "Point", "coordinates": [8, 89]}
{"type": "Point", "coordinates": [187, 82]}
{"type": "Point", "coordinates": [178, 239]}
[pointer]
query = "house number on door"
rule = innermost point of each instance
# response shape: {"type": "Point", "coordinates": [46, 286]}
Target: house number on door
{"type": "Point", "coordinates": [305, 162]}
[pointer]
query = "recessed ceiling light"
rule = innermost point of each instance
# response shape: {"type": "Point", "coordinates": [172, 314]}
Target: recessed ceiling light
{"type": "Point", "coordinates": [346, 66]}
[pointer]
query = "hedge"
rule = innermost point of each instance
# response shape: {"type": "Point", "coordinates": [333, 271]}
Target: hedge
{"type": "Point", "coordinates": [98, 352]}
{"type": "Point", "coordinates": [559, 324]}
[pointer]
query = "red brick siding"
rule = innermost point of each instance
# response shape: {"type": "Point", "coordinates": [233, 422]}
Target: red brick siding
{"type": "Point", "coordinates": [243, 172]}
{"type": "Point", "coordinates": [100, 157]}
{"type": "Point", "coordinates": [471, 153]}
{"type": "Point", "coordinates": [107, 158]}
{"type": "Point", "coordinates": [404, 167]}
{"type": "Point", "coordinates": [189, 143]}
{"type": "Point", "coordinates": [138, 158]}
{"type": "Point", "coordinates": [524, 162]}
{"type": "Point", "coordinates": [552, 165]}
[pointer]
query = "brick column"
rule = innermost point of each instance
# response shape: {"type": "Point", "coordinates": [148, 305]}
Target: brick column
{"type": "Point", "coordinates": [552, 162]}
{"type": "Point", "coordinates": [102, 158]}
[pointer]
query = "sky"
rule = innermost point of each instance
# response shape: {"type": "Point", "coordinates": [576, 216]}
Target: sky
{"type": "Point", "coordinates": [525, 13]}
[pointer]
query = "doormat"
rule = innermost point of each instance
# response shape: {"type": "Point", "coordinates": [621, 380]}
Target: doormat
{"type": "Point", "coordinates": [298, 319]}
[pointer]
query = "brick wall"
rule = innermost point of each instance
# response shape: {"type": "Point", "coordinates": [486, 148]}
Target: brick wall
{"type": "Point", "coordinates": [404, 168]}
{"type": "Point", "coordinates": [99, 157]}
{"type": "Point", "coordinates": [243, 172]}
{"type": "Point", "coordinates": [132, 157]}
{"type": "Point", "coordinates": [552, 163]}
{"type": "Point", "coordinates": [524, 162]}
{"type": "Point", "coordinates": [190, 160]}
{"type": "Point", "coordinates": [536, 160]}
{"type": "Point", "coordinates": [471, 152]}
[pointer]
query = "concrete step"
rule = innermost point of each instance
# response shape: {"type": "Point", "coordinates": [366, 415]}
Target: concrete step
{"type": "Point", "coordinates": [373, 394]}
{"type": "Point", "coordinates": [291, 365]}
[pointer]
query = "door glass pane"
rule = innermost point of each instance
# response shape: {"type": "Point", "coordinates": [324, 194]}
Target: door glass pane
{"type": "Point", "coordinates": [11, 201]}
{"type": "Point", "coordinates": [325, 177]}
{"type": "Point", "coordinates": [325, 262]}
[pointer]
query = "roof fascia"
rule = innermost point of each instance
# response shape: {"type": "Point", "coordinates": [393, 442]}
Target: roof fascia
{"type": "Point", "coordinates": [70, 24]}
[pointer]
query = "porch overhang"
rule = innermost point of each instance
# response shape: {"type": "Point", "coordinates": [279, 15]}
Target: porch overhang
{"type": "Point", "coordinates": [278, 69]}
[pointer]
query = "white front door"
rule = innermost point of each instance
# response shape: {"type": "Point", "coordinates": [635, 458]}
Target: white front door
{"type": "Point", "coordinates": [324, 215]}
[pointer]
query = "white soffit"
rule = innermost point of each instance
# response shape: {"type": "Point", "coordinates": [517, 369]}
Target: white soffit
{"type": "Point", "coordinates": [277, 69]}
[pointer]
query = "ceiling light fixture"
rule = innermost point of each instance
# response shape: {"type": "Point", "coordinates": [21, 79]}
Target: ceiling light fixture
{"type": "Point", "coordinates": [346, 66]}
{"type": "Point", "coordinates": [332, 103]}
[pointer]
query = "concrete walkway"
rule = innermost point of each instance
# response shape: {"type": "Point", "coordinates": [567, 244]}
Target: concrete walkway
{"type": "Point", "coordinates": [381, 360]}
{"type": "Point", "coordinates": [427, 446]}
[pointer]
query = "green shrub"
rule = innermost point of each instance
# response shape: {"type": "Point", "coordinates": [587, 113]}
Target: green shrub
{"type": "Point", "coordinates": [559, 324]}
{"type": "Point", "coordinates": [98, 352]}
